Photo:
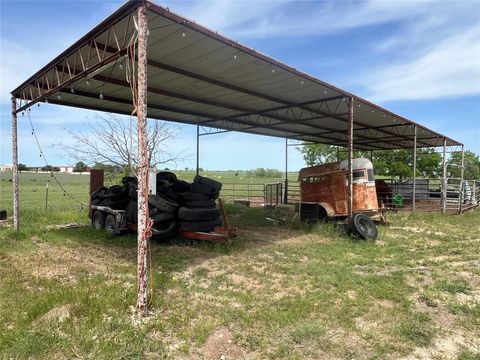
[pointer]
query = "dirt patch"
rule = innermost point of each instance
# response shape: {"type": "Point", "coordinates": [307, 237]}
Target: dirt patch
{"type": "Point", "coordinates": [220, 345]}
{"type": "Point", "coordinates": [67, 263]}
{"type": "Point", "coordinates": [445, 347]}
{"type": "Point", "coordinates": [58, 314]}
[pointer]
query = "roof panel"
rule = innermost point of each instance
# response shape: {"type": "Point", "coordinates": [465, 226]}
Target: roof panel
{"type": "Point", "coordinates": [198, 76]}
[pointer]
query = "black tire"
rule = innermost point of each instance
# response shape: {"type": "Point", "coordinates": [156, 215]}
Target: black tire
{"type": "Point", "coordinates": [180, 186]}
{"type": "Point", "coordinates": [119, 195]}
{"type": "Point", "coordinates": [172, 195]}
{"type": "Point", "coordinates": [164, 229]}
{"type": "Point", "coordinates": [200, 204]}
{"type": "Point", "coordinates": [162, 203]}
{"type": "Point", "coordinates": [201, 226]}
{"type": "Point", "coordinates": [100, 193]}
{"type": "Point", "coordinates": [129, 179]}
{"type": "Point", "coordinates": [191, 196]}
{"type": "Point", "coordinates": [115, 189]}
{"type": "Point", "coordinates": [203, 189]}
{"type": "Point", "coordinates": [111, 225]}
{"type": "Point", "coordinates": [96, 201]}
{"type": "Point", "coordinates": [132, 192]}
{"type": "Point", "coordinates": [98, 220]}
{"type": "Point", "coordinates": [166, 175]}
{"type": "Point", "coordinates": [162, 217]}
{"type": "Point", "coordinates": [132, 212]}
{"type": "Point", "coordinates": [188, 214]}
{"type": "Point", "coordinates": [364, 227]}
{"type": "Point", "coordinates": [119, 204]}
{"type": "Point", "coordinates": [217, 186]}
{"type": "Point", "coordinates": [322, 214]}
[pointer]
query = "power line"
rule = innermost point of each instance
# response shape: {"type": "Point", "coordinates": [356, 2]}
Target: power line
{"type": "Point", "coordinates": [42, 155]}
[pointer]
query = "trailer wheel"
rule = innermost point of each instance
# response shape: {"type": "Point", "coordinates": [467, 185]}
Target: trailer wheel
{"type": "Point", "coordinates": [98, 220]}
{"type": "Point", "coordinates": [111, 225]}
{"type": "Point", "coordinates": [322, 214]}
{"type": "Point", "coordinates": [363, 226]}
{"type": "Point", "coordinates": [188, 214]}
{"type": "Point", "coordinates": [201, 226]}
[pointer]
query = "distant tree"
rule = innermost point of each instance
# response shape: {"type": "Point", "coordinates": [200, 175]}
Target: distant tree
{"type": "Point", "coordinates": [55, 169]}
{"type": "Point", "coordinates": [166, 169]}
{"type": "Point", "coordinates": [318, 154]}
{"type": "Point", "coordinates": [471, 165]}
{"type": "Point", "coordinates": [47, 168]}
{"type": "Point", "coordinates": [236, 174]}
{"type": "Point", "coordinates": [187, 168]}
{"type": "Point", "coordinates": [113, 140]}
{"type": "Point", "coordinates": [392, 163]}
{"type": "Point", "coordinates": [80, 167]}
{"type": "Point", "coordinates": [22, 167]}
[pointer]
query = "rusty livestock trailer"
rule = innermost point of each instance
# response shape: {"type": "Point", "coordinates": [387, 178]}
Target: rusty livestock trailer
{"type": "Point", "coordinates": [324, 190]}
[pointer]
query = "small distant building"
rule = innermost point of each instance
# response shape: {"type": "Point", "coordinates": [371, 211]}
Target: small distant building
{"type": "Point", "coordinates": [66, 169]}
{"type": "Point", "coordinates": [6, 167]}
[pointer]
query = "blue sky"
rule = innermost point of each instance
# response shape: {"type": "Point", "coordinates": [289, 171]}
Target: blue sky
{"type": "Point", "coordinates": [420, 59]}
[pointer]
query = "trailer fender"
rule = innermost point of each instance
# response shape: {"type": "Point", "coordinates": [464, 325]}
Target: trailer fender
{"type": "Point", "coordinates": [330, 212]}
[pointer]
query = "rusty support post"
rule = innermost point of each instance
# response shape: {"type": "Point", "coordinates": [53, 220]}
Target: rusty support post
{"type": "Point", "coordinates": [443, 200]}
{"type": "Point", "coordinates": [462, 185]}
{"type": "Point", "coordinates": [338, 153]}
{"type": "Point", "coordinates": [414, 188]}
{"type": "Point", "coordinates": [350, 159]}
{"type": "Point", "coordinates": [285, 190]}
{"type": "Point", "coordinates": [198, 148]}
{"type": "Point", "coordinates": [16, 220]}
{"type": "Point", "coordinates": [143, 218]}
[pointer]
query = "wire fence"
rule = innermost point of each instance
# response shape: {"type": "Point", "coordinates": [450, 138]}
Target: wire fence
{"type": "Point", "coordinates": [40, 191]}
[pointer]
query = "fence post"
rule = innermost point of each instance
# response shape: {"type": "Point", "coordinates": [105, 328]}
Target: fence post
{"type": "Point", "coordinates": [233, 192]}
{"type": "Point", "coordinates": [443, 194]}
{"type": "Point", "coordinates": [248, 192]}
{"type": "Point", "coordinates": [46, 197]}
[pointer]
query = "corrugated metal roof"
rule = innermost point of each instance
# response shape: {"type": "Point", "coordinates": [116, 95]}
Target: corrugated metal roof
{"type": "Point", "coordinates": [197, 76]}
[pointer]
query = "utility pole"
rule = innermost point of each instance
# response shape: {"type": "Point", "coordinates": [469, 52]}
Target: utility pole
{"type": "Point", "coordinates": [16, 220]}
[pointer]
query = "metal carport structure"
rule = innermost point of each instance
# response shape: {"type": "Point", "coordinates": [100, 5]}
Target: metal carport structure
{"type": "Point", "coordinates": [196, 76]}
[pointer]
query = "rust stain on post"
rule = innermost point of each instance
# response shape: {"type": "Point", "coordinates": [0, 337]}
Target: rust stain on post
{"type": "Point", "coordinates": [16, 220]}
{"type": "Point", "coordinates": [143, 163]}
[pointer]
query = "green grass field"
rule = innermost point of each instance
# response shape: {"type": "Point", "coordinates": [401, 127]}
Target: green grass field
{"type": "Point", "coordinates": [33, 188]}
{"type": "Point", "coordinates": [277, 292]}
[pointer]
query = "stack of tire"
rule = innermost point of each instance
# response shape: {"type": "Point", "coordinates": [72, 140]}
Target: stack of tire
{"type": "Point", "coordinates": [162, 210]}
{"type": "Point", "coordinates": [177, 204]}
{"type": "Point", "coordinates": [199, 211]}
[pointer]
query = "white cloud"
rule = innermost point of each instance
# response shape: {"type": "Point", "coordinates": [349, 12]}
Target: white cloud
{"type": "Point", "coordinates": [450, 68]}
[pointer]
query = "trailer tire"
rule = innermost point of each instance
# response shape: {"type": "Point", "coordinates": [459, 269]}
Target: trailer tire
{"type": "Point", "coordinates": [172, 195]}
{"type": "Point", "coordinates": [364, 227]}
{"type": "Point", "coordinates": [111, 225]}
{"type": "Point", "coordinates": [132, 211]}
{"type": "Point", "coordinates": [203, 189]}
{"type": "Point", "coordinates": [100, 193]}
{"type": "Point", "coordinates": [98, 220]}
{"type": "Point", "coordinates": [217, 186]}
{"type": "Point", "coordinates": [200, 226]}
{"type": "Point", "coordinates": [187, 214]}
{"type": "Point", "coordinates": [200, 204]}
{"type": "Point", "coordinates": [162, 203]}
{"type": "Point", "coordinates": [166, 175]}
{"type": "Point", "coordinates": [161, 217]}
{"type": "Point", "coordinates": [164, 229]}
{"type": "Point", "coordinates": [180, 186]}
{"type": "Point", "coordinates": [191, 196]}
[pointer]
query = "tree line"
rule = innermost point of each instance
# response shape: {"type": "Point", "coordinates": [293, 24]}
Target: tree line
{"type": "Point", "coordinates": [399, 163]}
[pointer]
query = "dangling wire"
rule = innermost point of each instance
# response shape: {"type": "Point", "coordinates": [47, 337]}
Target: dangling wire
{"type": "Point", "coordinates": [42, 155]}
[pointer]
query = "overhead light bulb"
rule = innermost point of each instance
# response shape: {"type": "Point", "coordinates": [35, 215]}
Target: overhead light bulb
{"type": "Point", "coordinates": [59, 97]}
{"type": "Point", "coordinates": [235, 56]}
{"type": "Point", "coordinates": [301, 82]}
{"type": "Point", "coordinates": [72, 90]}
{"type": "Point", "coordinates": [273, 70]}
{"type": "Point", "coordinates": [324, 91]}
{"type": "Point", "coordinates": [87, 82]}
{"type": "Point", "coordinates": [46, 101]}
{"type": "Point", "coordinates": [120, 66]}
{"type": "Point", "coordinates": [101, 95]}
{"type": "Point", "coordinates": [184, 33]}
